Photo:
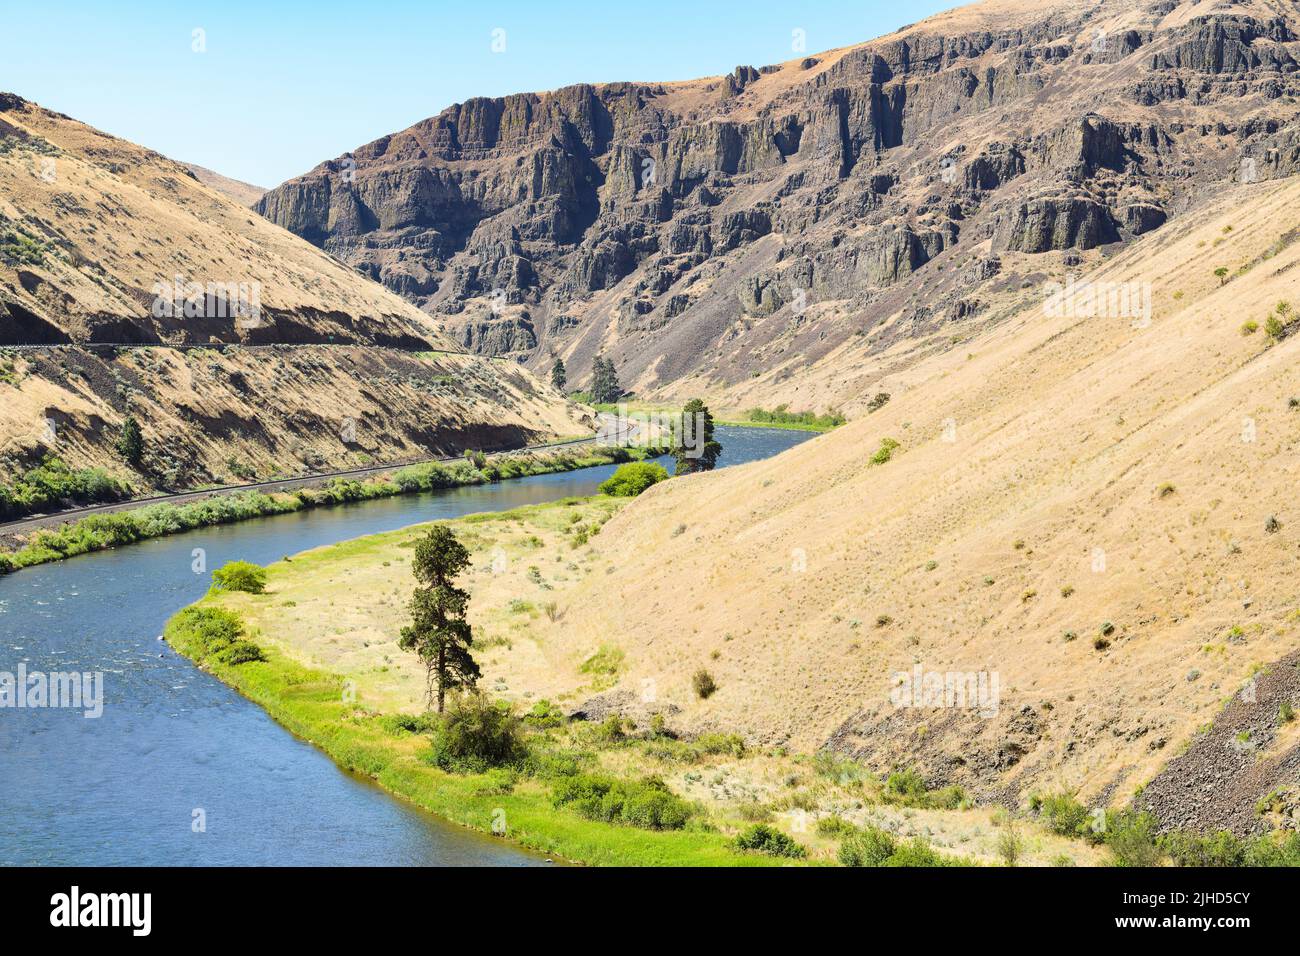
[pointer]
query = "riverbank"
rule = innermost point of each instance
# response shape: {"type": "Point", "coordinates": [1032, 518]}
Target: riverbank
{"type": "Point", "coordinates": [98, 532]}
{"type": "Point", "coordinates": [334, 676]}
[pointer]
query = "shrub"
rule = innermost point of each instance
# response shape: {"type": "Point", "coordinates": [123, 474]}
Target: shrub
{"type": "Point", "coordinates": [240, 576]}
{"type": "Point", "coordinates": [607, 660]}
{"type": "Point", "coordinates": [544, 714]}
{"type": "Point", "coordinates": [781, 415]}
{"type": "Point", "coordinates": [1194, 849]}
{"type": "Point", "coordinates": [835, 826]}
{"type": "Point", "coordinates": [476, 734]}
{"type": "Point", "coordinates": [401, 725]}
{"type": "Point", "coordinates": [869, 847]}
{"type": "Point", "coordinates": [907, 788]}
{"type": "Point", "coordinates": [1132, 838]}
{"type": "Point", "coordinates": [631, 479]}
{"type": "Point", "coordinates": [610, 730]}
{"type": "Point", "coordinates": [761, 838]}
{"type": "Point", "coordinates": [905, 785]}
{"type": "Point", "coordinates": [884, 452]}
{"type": "Point", "coordinates": [704, 684]}
{"type": "Point", "coordinates": [241, 652]}
{"type": "Point", "coordinates": [718, 743]}
{"type": "Point", "coordinates": [52, 483]}
{"type": "Point", "coordinates": [1010, 846]}
{"type": "Point", "coordinates": [918, 853]}
{"type": "Point", "coordinates": [1065, 815]}
{"type": "Point", "coordinates": [213, 632]}
{"type": "Point", "coordinates": [647, 803]}
{"type": "Point", "coordinates": [1249, 327]}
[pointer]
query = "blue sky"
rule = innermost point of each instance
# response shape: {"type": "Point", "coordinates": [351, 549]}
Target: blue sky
{"type": "Point", "coordinates": [284, 85]}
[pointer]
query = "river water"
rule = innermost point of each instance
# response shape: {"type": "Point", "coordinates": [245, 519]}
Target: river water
{"type": "Point", "coordinates": [174, 745]}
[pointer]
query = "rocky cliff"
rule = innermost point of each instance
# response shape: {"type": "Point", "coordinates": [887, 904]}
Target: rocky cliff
{"type": "Point", "coordinates": [732, 233]}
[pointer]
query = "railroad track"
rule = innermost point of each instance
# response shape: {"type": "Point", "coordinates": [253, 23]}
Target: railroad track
{"type": "Point", "coordinates": [36, 522]}
{"type": "Point", "coordinates": [223, 346]}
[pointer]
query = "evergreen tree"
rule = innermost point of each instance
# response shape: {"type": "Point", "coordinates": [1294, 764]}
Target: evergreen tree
{"type": "Point", "coordinates": [438, 633]}
{"type": "Point", "coordinates": [130, 444]}
{"type": "Point", "coordinates": [696, 450]}
{"type": "Point", "coordinates": [605, 389]}
{"type": "Point", "coordinates": [559, 378]}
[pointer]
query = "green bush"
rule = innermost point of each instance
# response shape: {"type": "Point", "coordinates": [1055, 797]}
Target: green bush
{"type": "Point", "coordinates": [1222, 849]}
{"type": "Point", "coordinates": [761, 838]}
{"type": "Point", "coordinates": [52, 485]}
{"type": "Point", "coordinates": [631, 479]}
{"type": "Point", "coordinates": [1065, 816]}
{"type": "Point", "coordinates": [545, 714]}
{"type": "Point", "coordinates": [870, 846]}
{"type": "Point", "coordinates": [704, 684]}
{"type": "Point", "coordinates": [402, 725]}
{"type": "Point", "coordinates": [781, 415]}
{"type": "Point", "coordinates": [1131, 838]}
{"type": "Point", "coordinates": [213, 632]}
{"type": "Point", "coordinates": [835, 826]}
{"type": "Point", "coordinates": [717, 743]}
{"type": "Point", "coordinates": [647, 803]}
{"type": "Point", "coordinates": [919, 853]}
{"type": "Point", "coordinates": [241, 652]}
{"type": "Point", "coordinates": [907, 788]}
{"type": "Point", "coordinates": [240, 576]}
{"type": "Point", "coordinates": [476, 734]}
{"type": "Point", "coordinates": [885, 451]}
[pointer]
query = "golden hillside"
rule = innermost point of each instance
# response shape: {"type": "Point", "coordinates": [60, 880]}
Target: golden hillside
{"type": "Point", "coordinates": [91, 224]}
{"type": "Point", "coordinates": [331, 372]}
{"type": "Point", "coordinates": [1053, 475]}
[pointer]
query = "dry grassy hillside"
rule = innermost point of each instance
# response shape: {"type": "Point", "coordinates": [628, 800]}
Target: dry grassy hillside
{"type": "Point", "coordinates": [805, 582]}
{"type": "Point", "coordinates": [237, 414]}
{"type": "Point", "coordinates": [241, 192]}
{"type": "Point", "coordinates": [333, 371]}
{"type": "Point", "coordinates": [89, 224]}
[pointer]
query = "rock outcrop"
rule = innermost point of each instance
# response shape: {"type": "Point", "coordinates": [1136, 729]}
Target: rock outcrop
{"type": "Point", "coordinates": [679, 207]}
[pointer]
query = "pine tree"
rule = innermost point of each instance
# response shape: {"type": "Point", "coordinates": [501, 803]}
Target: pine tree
{"type": "Point", "coordinates": [438, 633]}
{"type": "Point", "coordinates": [604, 382]}
{"type": "Point", "coordinates": [696, 450]}
{"type": "Point", "coordinates": [559, 377]}
{"type": "Point", "coordinates": [130, 444]}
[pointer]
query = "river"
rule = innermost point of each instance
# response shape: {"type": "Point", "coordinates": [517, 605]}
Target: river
{"type": "Point", "coordinates": [180, 769]}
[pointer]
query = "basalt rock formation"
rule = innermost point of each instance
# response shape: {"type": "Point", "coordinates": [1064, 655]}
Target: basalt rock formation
{"type": "Point", "coordinates": [733, 231]}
